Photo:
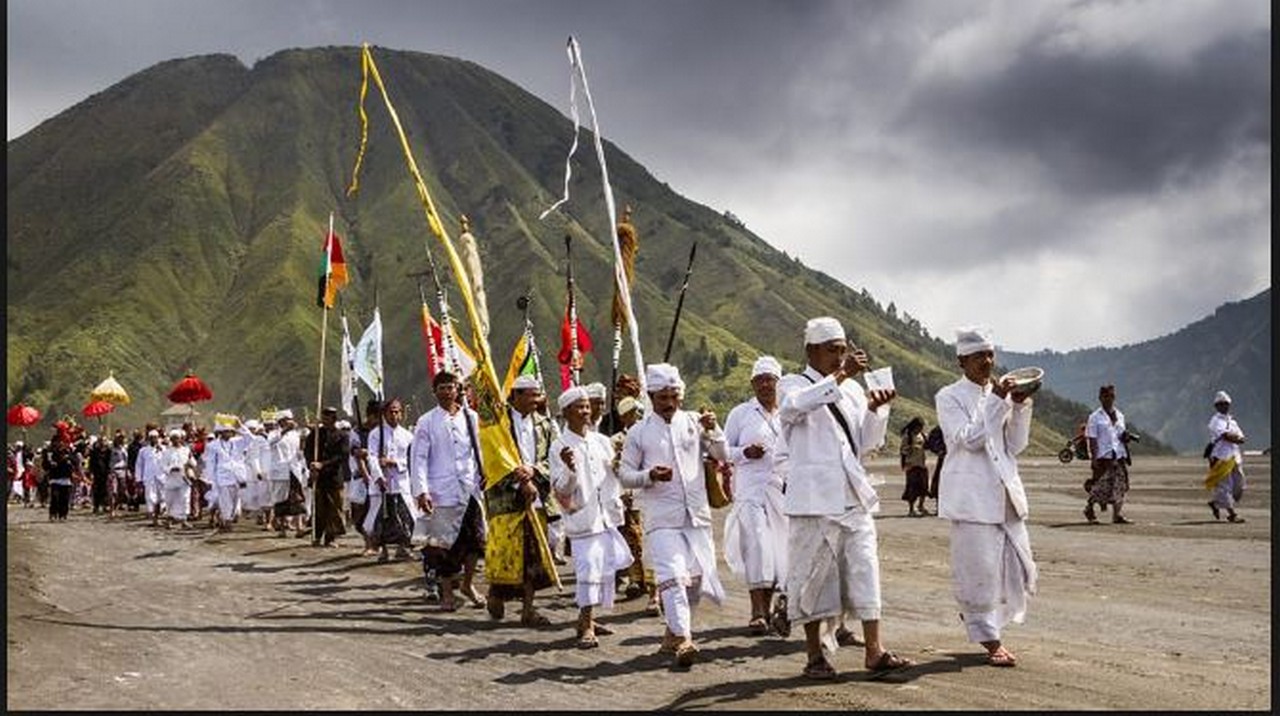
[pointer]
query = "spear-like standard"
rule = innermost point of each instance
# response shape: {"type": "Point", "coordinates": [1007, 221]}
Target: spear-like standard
{"type": "Point", "coordinates": [574, 373]}
{"type": "Point", "coordinates": [671, 337]}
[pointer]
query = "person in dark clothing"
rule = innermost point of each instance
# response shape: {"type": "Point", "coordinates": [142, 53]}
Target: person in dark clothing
{"type": "Point", "coordinates": [325, 463]}
{"type": "Point", "coordinates": [101, 491]}
{"type": "Point", "coordinates": [62, 466]}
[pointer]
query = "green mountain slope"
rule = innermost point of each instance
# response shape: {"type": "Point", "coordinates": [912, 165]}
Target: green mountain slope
{"type": "Point", "coordinates": [1167, 384]}
{"type": "Point", "coordinates": [175, 221]}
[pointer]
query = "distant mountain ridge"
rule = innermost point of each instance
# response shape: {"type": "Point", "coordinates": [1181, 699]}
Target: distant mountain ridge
{"type": "Point", "coordinates": [174, 221]}
{"type": "Point", "coordinates": [1167, 384]}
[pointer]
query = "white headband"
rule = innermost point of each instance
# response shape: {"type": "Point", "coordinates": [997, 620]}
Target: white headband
{"type": "Point", "coordinates": [973, 339]}
{"type": "Point", "coordinates": [821, 330]}
{"type": "Point", "coordinates": [658, 376]}
{"type": "Point", "coordinates": [571, 396]}
{"type": "Point", "coordinates": [766, 365]}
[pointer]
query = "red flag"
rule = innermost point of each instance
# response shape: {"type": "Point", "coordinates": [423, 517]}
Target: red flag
{"type": "Point", "coordinates": [433, 337]}
{"type": "Point", "coordinates": [568, 361]}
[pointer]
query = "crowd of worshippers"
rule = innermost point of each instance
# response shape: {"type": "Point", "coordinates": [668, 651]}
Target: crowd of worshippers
{"type": "Point", "coordinates": [624, 493]}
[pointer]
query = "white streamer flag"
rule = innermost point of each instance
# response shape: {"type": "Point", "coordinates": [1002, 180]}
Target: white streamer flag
{"type": "Point", "coordinates": [578, 73]}
{"type": "Point", "coordinates": [367, 359]}
{"type": "Point", "coordinates": [348, 376]}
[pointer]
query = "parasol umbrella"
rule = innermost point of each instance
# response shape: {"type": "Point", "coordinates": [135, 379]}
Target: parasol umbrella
{"type": "Point", "coordinates": [23, 416]}
{"type": "Point", "coordinates": [110, 391]}
{"type": "Point", "coordinates": [190, 390]}
{"type": "Point", "coordinates": [97, 409]}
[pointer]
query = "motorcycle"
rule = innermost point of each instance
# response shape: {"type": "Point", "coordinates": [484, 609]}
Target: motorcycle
{"type": "Point", "coordinates": [1077, 448]}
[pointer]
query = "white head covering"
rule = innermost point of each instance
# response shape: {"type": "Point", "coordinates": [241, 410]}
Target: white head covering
{"type": "Point", "coordinates": [821, 330]}
{"type": "Point", "coordinates": [150, 434]}
{"type": "Point", "coordinates": [658, 376]}
{"type": "Point", "coordinates": [176, 432]}
{"type": "Point", "coordinates": [571, 396]}
{"type": "Point", "coordinates": [597, 391]}
{"type": "Point", "coordinates": [1221, 397]}
{"type": "Point", "coordinates": [252, 424]}
{"type": "Point", "coordinates": [767, 365]}
{"type": "Point", "coordinates": [343, 425]}
{"type": "Point", "coordinates": [627, 404]}
{"type": "Point", "coordinates": [526, 382]}
{"type": "Point", "coordinates": [284, 414]}
{"type": "Point", "coordinates": [972, 339]}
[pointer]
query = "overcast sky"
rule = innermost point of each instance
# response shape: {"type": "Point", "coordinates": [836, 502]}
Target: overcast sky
{"type": "Point", "coordinates": [1071, 173]}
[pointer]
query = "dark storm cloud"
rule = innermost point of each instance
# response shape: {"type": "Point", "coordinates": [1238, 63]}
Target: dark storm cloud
{"type": "Point", "coordinates": [1118, 123]}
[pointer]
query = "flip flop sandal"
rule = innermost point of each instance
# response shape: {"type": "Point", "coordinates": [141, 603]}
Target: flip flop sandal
{"type": "Point", "coordinates": [601, 630]}
{"type": "Point", "coordinates": [819, 670]}
{"type": "Point", "coordinates": [1001, 657]}
{"type": "Point", "coordinates": [588, 642]}
{"type": "Point", "coordinates": [534, 619]}
{"type": "Point", "coordinates": [686, 654]}
{"type": "Point", "coordinates": [846, 637]}
{"type": "Point", "coordinates": [890, 661]}
{"type": "Point", "coordinates": [758, 626]}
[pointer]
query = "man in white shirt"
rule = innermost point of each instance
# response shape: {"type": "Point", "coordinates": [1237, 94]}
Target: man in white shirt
{"type": "Point", "coordinates": [590, 497]}
{"type": "Point", "coordinates": [986, 423]}
{"type": "Point", "coordinates": [755, 531]}
{"type": "Point", "coordinates": [1226, 461]}
{"type": "Point", "coordinates": [597, 394]}
{"type": "Point", "coordinates": [392, 509]}
{"type": "Point", "coordinates": [447, 485]}
{"type": "Point", "coordinates": [662, 461]}
{"type": "Point", "coordinates": [178, 469]}
{"type": "Point", "coordinates": [828, 423]}
{"type": "Point", "coordinates": [150, 475]}
{"type": "Point", "coordinates": [284, 484]}
{"type": "Point", "coordinates": [1108, 458]}
{"type": "Point", "coordinates": [226, 465]}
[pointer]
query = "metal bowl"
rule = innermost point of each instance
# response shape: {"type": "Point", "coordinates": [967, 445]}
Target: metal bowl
{"type": "Point", "coordinates": [1025, 380]}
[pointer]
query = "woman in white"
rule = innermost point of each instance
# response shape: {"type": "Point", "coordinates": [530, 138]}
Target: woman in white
{"type": "Point", "coordinates": [590, 496]}
{"type": "Point", "coordinates": [755, 531]}
{"type": "Point", "coordinates": [179, 472]}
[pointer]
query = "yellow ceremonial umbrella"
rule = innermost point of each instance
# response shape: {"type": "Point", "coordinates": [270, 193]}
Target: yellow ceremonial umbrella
{"type": "Point", "coordinates": [110, 391]}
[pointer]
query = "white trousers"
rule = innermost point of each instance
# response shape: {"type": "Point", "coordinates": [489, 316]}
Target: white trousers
{"type": "Point", "coordinates": [684, 565]}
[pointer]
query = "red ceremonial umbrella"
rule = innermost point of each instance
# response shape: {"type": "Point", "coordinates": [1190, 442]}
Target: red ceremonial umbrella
{"type": "Point", "coordinates": [190, 390]}
{"type": "Point", "coordinates": [97, 409]}
{"type": "Point", "coordinates": [23, 416]}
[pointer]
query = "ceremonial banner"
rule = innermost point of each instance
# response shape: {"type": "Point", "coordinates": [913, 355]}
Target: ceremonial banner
{"type": "Point", "coordinates": [348, 375]}
{"type": "Point", "coordinates": [523, 362]}
{"type": "Point", "coordinates": [367, 359]}
{"type": "Point", "coordinates": [333, 271]}
{"type": "Point", "coordinates": [498, 453]}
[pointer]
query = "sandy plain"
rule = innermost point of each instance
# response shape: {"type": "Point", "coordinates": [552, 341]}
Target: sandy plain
{"type": "Point", "coordinates": [1172, 612]}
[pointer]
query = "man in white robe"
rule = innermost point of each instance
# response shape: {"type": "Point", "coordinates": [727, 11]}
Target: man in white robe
{"type": "Point", "coordinates": [1226, 460]}
{"type": "Point", "coordinates": [150, 476]}
{"type": "Point", "coordinates": [447, 486]}
{"type": "Point", "coordinates": [755, 530]}
{"type": "Point", "coordinates": [986, 422]}
{"type": "Point", "coordinates": [590, 497]}
{"type": "Point", "coordinates": [392, 508]}
{"type": "Point", "coordinates": [662, 461]}
{"type": "Point", "coordinates": [283, 454]}
{"type": "Point", "coordinates": [226, 465]}
{"type": "Point", "coordinates": [828, 423]}
{"type": "Point", "coordinates": [178, 469]}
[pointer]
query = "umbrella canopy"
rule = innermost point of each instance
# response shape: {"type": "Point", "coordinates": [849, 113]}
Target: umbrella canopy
{"type": "Point", "coordinates": [23, 416]}
{"type": "Point", "coordinates": [97, 409]}
{"type": "Point", "coordinates": [110, 391]}
{"type": "Point", "coordinates": [190, 390]}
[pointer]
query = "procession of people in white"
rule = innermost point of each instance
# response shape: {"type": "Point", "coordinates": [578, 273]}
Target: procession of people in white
{"type": "Point", "coordinates": [800, 533]}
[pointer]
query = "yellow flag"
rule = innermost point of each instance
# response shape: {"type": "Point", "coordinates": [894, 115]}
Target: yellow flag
{"type": "Point", "coordinates": [499, 455]}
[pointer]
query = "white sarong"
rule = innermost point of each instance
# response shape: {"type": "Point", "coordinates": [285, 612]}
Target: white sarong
{"type": "Point", "coordinates": [834, 570]}
{"type": "Point", "coordinates": [992, 575]}
{"type": "Point", "coordinates": [755, 541]}
{"type": "Point", "coordinates": [596, 560]}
